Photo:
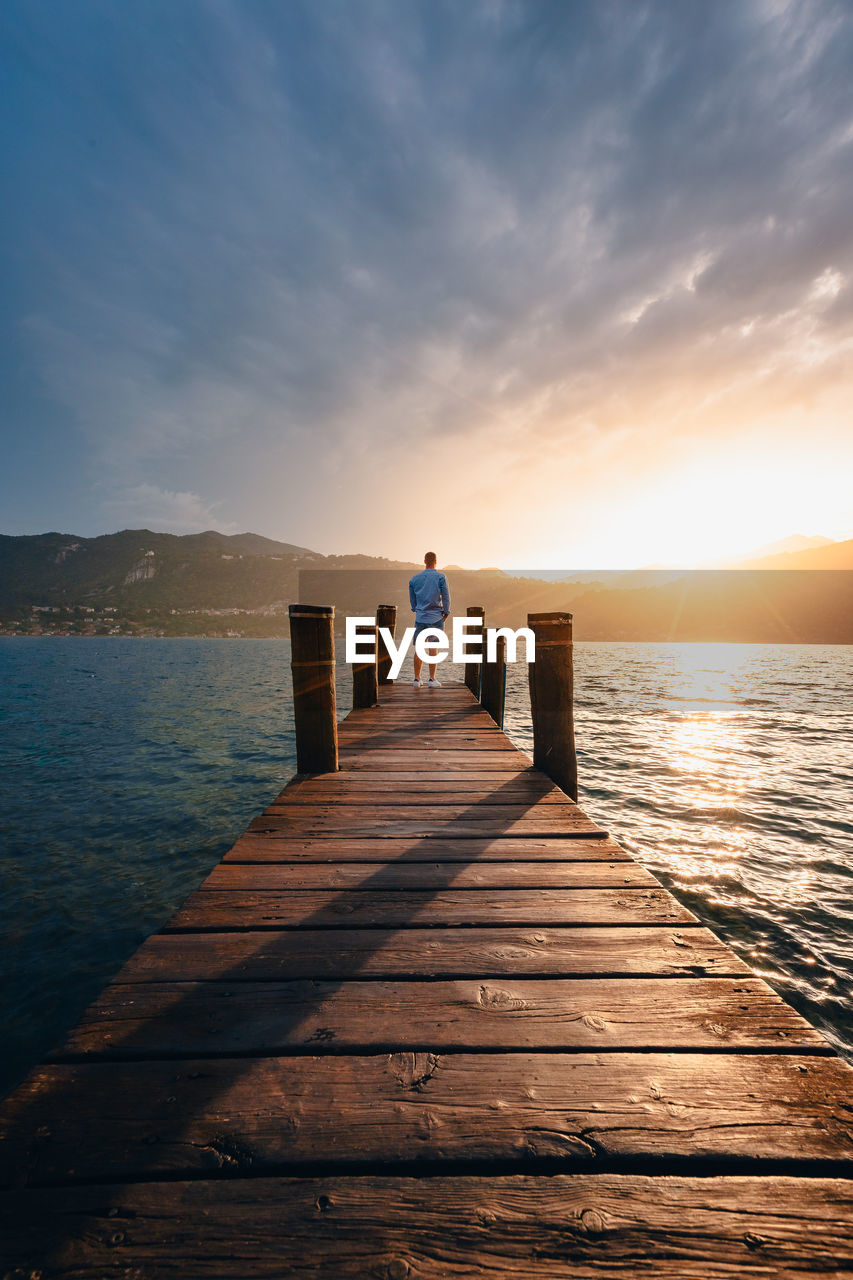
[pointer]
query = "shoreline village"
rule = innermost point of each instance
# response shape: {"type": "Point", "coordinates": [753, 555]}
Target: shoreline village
{"type": "Point", "coordinates": [434, 645]}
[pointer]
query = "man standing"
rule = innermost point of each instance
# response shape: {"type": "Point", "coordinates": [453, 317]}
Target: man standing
{"type": "Point", "coordinates": [430, 601]}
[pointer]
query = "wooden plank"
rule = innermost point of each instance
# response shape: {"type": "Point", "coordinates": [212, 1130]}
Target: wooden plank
{"type": "Point", "coordinates": [261, 844]}
{"type": "Point", "coordinates": [465, 722]}
{"type": "Point", "coordinates": [462, 720]}
{"type": "Point", "coordinates": [424, 701]}
{"type": "Point", "coordinates": [406, 761]}
{"type": "Point", "coordinates": [582, 1226]}
{"type": "Point", "coordinates": [129, 1120]}
{"type": "Point", "coordinates": [460, 779]}
{"type": "Point", "coordinates": [418, 793]}
{"type": "Point", "coordinates": [406, 953]}
{"type": "Point", "coordinates": [452, 714]}
{"type": "Point", "coordinates": [419, 707]}
{"type": "Point", "coordinates": [492, 809]}
{"type": "Point", "coordinates": [429, 875]}
{"type": "Point", "coordinates": [445, 728]}
{"type": "Point", "coordinates": [410, 745]}
{"type": "Point", "coordinates": [421, 710]}
{"type": "Point", "coordinates": [401, 908]}
{"type": "Point", "coordinates": [401, 693]}
{"type": "Point", "coordinates": [449, 720]}
{"type": "Point", "coordinates": [436, 726]}
{"type": "Point", "coordinates": [357, 786]}
{"type": "Point", "coordinates": [439, 809]}
{"type": "Point", "coordinates": [449, 820]}
{"type": "Point", "coordinates": [293, 824]}
{"type": "Point", "coordinates": [451, 738]}
{"type": "Point", "coordinates": [522, 780]}
{"type": "Point", "coordinates": [464, 798]}
{"type": "Point", "coordinates": [163, 1019]}
{"type": "Point", "coordinates": [470, 797]}
{"type": "Point", "coordinates": [403, 828]}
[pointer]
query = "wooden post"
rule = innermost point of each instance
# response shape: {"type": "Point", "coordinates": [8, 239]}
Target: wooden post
{"type": "Point", "coordinates": [386, 616]}
{"type": "Point", "coordinates": [472, 669]}
{"type": "Point", "coordinates": [312, 643]}
{"type": "Point", "coordinates": [494, 684]}
{"type": "Point", "coordinates": [364, 692]}
{"type": "Point", "coordinates": [552, 699]}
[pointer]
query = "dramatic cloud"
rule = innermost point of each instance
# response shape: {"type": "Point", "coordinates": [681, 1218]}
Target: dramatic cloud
{"type": "Point", "coordinates": [514, 272]}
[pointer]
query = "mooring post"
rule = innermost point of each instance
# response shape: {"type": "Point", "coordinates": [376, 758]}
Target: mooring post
{"type": "Point", "coordinates": [386, 616]}
{"type": "Point", "coordinates": [551, 679]}
{"type": "Point", "coordinates": [312, 645]}
{"type": "Point", "coordinates": [472, 669]}
{"type": "Point", "coordinates": [493, 690]}
{"type": "Point", "coordinates": [364, 691]}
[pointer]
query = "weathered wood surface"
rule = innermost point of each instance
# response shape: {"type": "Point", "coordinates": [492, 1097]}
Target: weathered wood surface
{"type": "Point", "coordinates": [551, 682]}
{"type": "Point", "coordinates": [357, 760]}
{"type": "Point", "coordinates": [386, 618]}
{"type": "Point", "coordinates": [312, 668]}
{"type": "Point", "coordinates": [503, 815]}
{"type": "Point", "coordinates": [265, 844]}
{"type": "Point", "coordinates": [451, 821]}
{"type": "Point", "coordinates": [481, 741]}
{"type": "Point", "coordinates": [415, 793]}
{"type": "Point", "coordinates": [371, 876]}
{"type": "Point", "coordinates": [401, 1108]}
{"type": "Point", "coordinates": [429, 953]}
{"type": "Point", "coordinates": [235, 909]}
{"type": "Point", "coordinates": [461, 719]}
{"type": "Point", "coordinates": [365, 675]}
{"type": "Point", "coordinates": [581, 1227]}
{"type": "Point", "coordinates": [422, 782]}
{"type": "Point", "coordinates": [431, 961]}
{"type": "Point", "coordinates": [174, 1018]}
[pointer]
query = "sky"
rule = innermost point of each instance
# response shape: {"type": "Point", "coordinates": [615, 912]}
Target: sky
{"type": "Point", "coordinates": [531, 282]}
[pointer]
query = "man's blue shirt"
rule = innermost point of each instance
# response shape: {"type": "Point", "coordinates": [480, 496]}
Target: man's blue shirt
{"type": "Point", "coordinates": [429, 596]}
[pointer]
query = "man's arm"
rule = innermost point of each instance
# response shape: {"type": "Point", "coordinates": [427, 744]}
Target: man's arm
{"type": "Point", "coordinates": [412, 601]}
{"type": "Point", "coordinates": [445, 595]}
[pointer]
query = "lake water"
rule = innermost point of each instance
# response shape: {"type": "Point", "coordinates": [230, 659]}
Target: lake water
{"type": "Point", "coordinates": [130, 766]}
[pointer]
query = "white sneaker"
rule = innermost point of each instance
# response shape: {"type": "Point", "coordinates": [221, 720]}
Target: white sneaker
{"type": "Point", "coordinates": [433, 684]}
{"type": "Point", "coordinates": [416, 683]}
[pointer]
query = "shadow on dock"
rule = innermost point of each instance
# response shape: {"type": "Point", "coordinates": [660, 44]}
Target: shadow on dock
{"type": "Point", "coordinates": [143, 1088]}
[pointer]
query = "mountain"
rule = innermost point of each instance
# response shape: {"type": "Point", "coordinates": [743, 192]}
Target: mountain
{"type": "Point", "coordinates": [142, 569]}
{"type": "Point", "coordinates": [248, 544]}
{"type": "Point", "coordinates": [783, 546]}
{"type": "Point", "coordinates": [141, 583]}
{"type": "Point", "coordinates": [828, 555]}
{"type": "Point", "coordinates": [750, 606]}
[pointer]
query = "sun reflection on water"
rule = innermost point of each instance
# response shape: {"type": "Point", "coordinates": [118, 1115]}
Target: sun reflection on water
{"type": "Point", "coordinates": [725, 768]}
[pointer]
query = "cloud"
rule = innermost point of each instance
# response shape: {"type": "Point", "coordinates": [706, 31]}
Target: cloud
{"type": "Point", "coordinates": [273, 250]}
{"type": "Point", "coordinates": [145, 506]}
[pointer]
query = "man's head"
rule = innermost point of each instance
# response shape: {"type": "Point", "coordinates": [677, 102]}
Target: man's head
{"type": "Point", "coordinates": [429, 559]}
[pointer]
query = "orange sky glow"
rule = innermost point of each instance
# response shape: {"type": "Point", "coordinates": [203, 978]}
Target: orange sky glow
{"type": "Point", "coordinates": [535, 286]}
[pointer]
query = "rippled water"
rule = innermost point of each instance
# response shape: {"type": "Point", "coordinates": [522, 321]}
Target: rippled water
{"type": "Point", "coordinates": [727, 769]}
{"type": "Point", "coordinates": [130, 766]}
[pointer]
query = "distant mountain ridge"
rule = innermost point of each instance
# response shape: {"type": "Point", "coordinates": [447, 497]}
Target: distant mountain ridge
{"type": "Point", "coordinates": [823, 555]}
{"type": "Point", "coordinates": [141, 583]}
{"type": "Point", "coordinates": [250, 544]}
{"type": "Point", "coordinates": [782, 546]}
{"type": "Point", "coordinates": [139, 571]}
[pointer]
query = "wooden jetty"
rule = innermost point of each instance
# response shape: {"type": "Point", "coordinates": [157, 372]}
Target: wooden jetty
{"type": "Point", "coordinates": [427, 1019]}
